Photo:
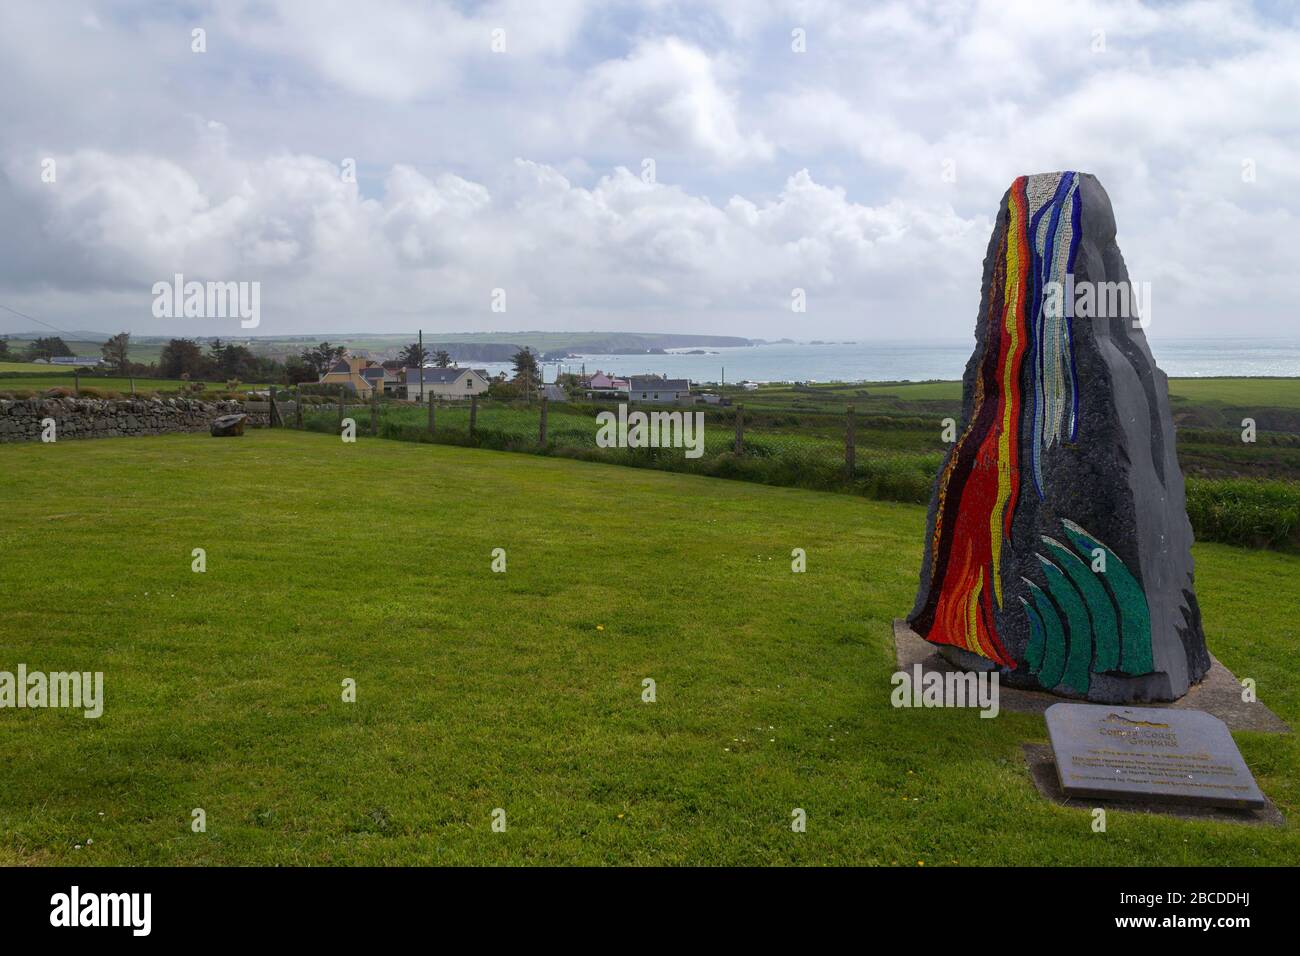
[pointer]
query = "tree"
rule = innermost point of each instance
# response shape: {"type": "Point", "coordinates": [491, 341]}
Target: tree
{"type": "Point", "coordinates": [236, 361]}
{"type": "Point", "coordinates": [181, 358]}
{"type": "Point", "coordinates": [442, 358]}
{"type": "Point", "coordinates": [506, 391]}
{"type": "Point", "coordinates": [48, 348]}
{"type": "Point", "coordinates": [526, 372]}
{"type": "Point", "coordinates": [115, 351]}
{"type": "Point", "coordinates": [320, 358]}
{"type": "Point", "coordinates": [413, 356]}
{"type": "Point", "coordinates": [297, 371]}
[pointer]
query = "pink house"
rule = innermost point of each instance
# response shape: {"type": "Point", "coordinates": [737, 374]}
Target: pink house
{"type": "Point", "coordinates": [603, 382]}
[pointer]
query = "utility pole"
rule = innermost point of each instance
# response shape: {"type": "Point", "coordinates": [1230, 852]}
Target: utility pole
{"type": "Point", "coordinates": [421, 371]}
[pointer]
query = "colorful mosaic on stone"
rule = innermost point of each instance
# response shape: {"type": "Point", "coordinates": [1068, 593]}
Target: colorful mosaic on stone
{"type": "Point", "coordinates": [1025, 388]}
{"type": "Point", "coordinates": [1054, 224]}
{"type": "Point", "coordinates": [1085, 621]}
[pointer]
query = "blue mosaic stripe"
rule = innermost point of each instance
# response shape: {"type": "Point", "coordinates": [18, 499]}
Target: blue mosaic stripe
{"type": "Point", "coordinates": [1055, 373]}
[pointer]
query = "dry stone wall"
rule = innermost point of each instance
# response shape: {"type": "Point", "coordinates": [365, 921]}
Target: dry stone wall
{"type": "Point", "coordinates": [23, 420]}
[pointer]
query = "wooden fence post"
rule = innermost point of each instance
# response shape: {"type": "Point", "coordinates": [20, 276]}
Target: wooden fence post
{"type": "Point", "coordinates": [132, 386]}
{"type": "Point", "coordinates": [740, 430]}
{"type": "Point", "coordinates": [297, 402]}
{"type": "Point", "coordinates": [473, 413]}
{"type": "Point", "coordinates": [542, 435]}
{"type": "Point", "coordinates": [374, 413]}
{"type": "Point", "coordinates": [270, 412]}
{"type": "Point", "coordinates": [850, 445]}
{"type": "Point", "coordinates": [431, 413]}
{"type": "Point", "coordinates": [76, 381]}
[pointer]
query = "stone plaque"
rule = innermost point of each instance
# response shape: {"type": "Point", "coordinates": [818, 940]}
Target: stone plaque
{"type": "Point", "coordinates": [1149, 753]}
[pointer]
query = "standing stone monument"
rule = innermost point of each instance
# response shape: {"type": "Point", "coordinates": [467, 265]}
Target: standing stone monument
{"type": "Point", "coordinates": [1058, 545]}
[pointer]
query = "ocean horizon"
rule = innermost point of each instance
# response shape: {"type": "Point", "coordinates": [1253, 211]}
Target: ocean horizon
{"type": "Point", "coordinates": [902, 360]}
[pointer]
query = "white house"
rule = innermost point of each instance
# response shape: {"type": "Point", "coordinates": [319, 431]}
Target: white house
{"type": "Point", "coordinates": [651, 388]}
{"type": "Point", "coordinates": [446, 382]}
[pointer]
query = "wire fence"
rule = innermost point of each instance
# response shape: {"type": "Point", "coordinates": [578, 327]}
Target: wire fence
{"type": "Point", "coordinates": [894, 460]}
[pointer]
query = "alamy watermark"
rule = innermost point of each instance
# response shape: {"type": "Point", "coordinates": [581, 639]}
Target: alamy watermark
{"type": "Point", "coordinates": [652, 430]}
{"type": "Point", "coordinates": [922, 688]}
{"type": "Point", "coordinates": [75, 908]}
{"type": "Point", "coordinates": [208, 300]}
{"type": "Point", "coordinates": [76, 689]}
{"type": "Point", "coordinates": [1098, 300]}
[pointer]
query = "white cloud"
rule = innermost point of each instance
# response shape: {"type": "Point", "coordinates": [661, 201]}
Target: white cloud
{"type": "Point", "coordinates": [402, 49]}
{"type": "Point", "coordinates": [667, 94]}
{"type": "Point", "coordinates": [445, 242]}
{"type": "Point", "coordinates": [521, 170]}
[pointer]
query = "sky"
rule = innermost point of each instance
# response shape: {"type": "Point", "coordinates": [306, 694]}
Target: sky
{"type": "Point", "coordinates": [651, 166]}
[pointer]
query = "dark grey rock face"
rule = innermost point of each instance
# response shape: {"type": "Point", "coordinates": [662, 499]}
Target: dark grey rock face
{"type": "Point", "coordinates": [228, 426]}
{"type": "Point", "coordinates": [1058, 545]}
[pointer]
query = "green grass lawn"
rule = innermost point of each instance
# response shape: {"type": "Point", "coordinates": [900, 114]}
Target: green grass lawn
{"type": "Point", "coordinates": [23, 367]}
{"type": "Point", "coordinates": [522, 690]}
{"type": "Point", "coordinates": [39, 383]}
{"type": "Point", "coordinates": [119, 385]}
{"type": "Point", "coordinates": [1240, 392]}
{"type": "Point", "coordinates": [1244, 392]}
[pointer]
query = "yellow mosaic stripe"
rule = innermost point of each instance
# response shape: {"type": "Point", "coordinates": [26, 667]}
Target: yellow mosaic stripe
{"type": "Point", "coordinates": [972, 617]}
{"type": "Point", "coordinates": [1011, 297]}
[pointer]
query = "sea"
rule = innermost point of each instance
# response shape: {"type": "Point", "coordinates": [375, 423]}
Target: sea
{"type": "Point", "coordinates": [901, 360]}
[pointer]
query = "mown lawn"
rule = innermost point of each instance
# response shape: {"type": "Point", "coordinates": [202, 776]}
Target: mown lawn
{"type": "Point", "coordinates": [522, 690]}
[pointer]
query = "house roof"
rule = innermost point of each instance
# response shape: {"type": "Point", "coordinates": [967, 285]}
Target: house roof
{"type": "Point", "coordinates": [440, 376]}
{"type": "Point", "coordinates": [650, 383]}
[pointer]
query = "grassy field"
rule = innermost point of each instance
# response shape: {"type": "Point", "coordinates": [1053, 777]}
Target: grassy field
{"type": "Point", "coordinates": [1243, 392]}
{"type": "Point", "coordinates": [39, 384]}
{"type": "Point", "coordinates": [23, 367]}
{"type": "Point", "coordinates": [522, 690]}
{"type": "Point", "coordinates": [1238, 493]}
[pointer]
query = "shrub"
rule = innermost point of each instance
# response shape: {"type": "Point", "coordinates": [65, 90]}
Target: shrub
{"type": "Point", "coordinates": [1256, 514]}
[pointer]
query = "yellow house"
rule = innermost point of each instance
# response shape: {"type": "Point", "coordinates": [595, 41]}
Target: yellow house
{"type": "Point", "coordinates": [361, 375]}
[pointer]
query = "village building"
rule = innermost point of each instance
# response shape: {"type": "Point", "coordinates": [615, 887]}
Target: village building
{"type": "Point", "coordinates": [446, 383]}
{"type": "Point", "coordinates": [652, 388]}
